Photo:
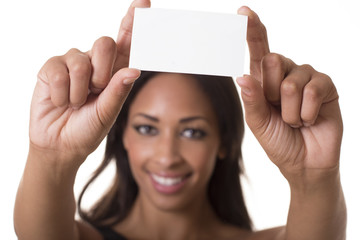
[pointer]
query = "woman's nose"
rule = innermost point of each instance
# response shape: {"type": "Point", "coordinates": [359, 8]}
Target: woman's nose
{"type": "Point", "coordinates": [167, 151]}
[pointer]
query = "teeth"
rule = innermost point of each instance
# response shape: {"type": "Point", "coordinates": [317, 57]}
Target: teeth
{"type": "Point", "coordinates": [166, 181]}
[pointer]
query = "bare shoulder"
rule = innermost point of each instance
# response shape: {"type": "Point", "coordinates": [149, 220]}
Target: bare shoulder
{"type": "Point", "coordinates": [87, 232]}
{"type": "Point", "coordinates": [277, 233]}
{"type": "Point", "coordinates": [235, 233]}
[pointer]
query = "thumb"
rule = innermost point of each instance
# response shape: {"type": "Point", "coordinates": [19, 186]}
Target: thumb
{"type": "Point", "coordinates": [114, 95]}
{"type": "Point", "coordinates": [257, 109]}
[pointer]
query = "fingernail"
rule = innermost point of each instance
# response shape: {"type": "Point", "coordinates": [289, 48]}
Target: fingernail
{"type": "Point", "coordinates": [244, 10]}
{"type": "Point", "coordinates": [128, 81]}
{"type": "Point", "coordinates": [295, 125]}
{"type": "Point", "coordinates": [241, 83]}
{"type": "Point", "coordinates": [240, 80]}
{"type": "Point", "coordinates": [96, 90]}
{"type": "Point", "coordinates": [246, 90]}
{"type": "Point", "coordinates": [307, 124]}
{"type": "Point", "coordinates": [75, 107]}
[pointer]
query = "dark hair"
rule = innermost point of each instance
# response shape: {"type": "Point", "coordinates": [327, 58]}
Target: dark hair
{"type": "Point", "coordinates": [225, 193]}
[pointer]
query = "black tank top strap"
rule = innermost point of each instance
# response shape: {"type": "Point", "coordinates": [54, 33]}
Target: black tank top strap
{"type": "Point", "coordinates": [109, 234]}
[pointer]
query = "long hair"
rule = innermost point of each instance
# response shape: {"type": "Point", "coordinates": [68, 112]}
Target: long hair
{"type": "Point", "coordinates": [224, 189]}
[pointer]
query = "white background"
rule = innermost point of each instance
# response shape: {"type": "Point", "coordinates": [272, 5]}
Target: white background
{"type": "Point", "coordinates": [324, 34]}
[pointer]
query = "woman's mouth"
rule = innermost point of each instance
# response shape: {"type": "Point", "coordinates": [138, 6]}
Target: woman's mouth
{"type": "Point", "coordinates": [168, 185]}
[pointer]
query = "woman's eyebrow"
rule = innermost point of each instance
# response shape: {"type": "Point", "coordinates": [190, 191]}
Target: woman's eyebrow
{"type": "Point", "coordinates": [154, 119]}
{"type": "Point", "coordinates": [189, 119]}
{"type": "Point", "coordinates": [183, 120]}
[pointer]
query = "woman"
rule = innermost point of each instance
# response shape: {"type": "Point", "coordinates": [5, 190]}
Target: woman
{"type": "Point", "coordinates": [174, 146]}
{"type": "Point", "coordinates": [204, 145]}
{"type": "Point", "coordinates": [177, 132]}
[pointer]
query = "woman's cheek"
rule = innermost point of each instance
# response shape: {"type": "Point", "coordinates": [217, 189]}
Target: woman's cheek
{"type": "Point", "coordinates": [201, 156]}
{"type": "Point", "coordinates": [138, 153]}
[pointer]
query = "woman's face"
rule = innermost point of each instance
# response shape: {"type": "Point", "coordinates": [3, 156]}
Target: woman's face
{"type": "Point", "coordinates": [172, 141]}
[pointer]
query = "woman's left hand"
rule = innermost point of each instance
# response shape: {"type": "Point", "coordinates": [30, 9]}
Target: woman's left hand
{"type": "Point", "coordinates": [292, 110]}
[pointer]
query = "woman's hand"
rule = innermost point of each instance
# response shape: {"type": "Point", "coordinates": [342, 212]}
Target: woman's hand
{"type": "Point", "coordinates": [79, 95]}
{"type": "Point", "coordinates": [292, 110]}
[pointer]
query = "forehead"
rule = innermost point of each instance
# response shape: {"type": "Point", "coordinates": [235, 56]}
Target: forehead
{"type": "Point", "coordinates": [178, 95]}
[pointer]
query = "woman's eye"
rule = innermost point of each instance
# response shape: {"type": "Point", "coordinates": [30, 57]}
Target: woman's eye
{"type": "Point", "coordinates": [146, 130]}
{"type": "Point", "coordinates": [193, 133]}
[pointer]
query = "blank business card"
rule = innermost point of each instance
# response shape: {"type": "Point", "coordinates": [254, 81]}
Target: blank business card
{"type": "Point", "coordinates": [188, 42]}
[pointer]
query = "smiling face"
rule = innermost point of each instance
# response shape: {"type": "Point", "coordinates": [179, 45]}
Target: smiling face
{"type": "Point", "coordinates": [172, 140]}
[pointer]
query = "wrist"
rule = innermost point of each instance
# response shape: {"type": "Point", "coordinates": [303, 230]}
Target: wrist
{"type": "Point", "coordinates": [314, 180]}
{"type": "Point", "coordinates": [317, 208]}
{"type": "Point", "coordinates": [59, 165]}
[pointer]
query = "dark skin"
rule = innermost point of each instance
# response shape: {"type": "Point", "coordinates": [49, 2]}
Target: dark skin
{"type": "Point", "coordinates": [292, 110]}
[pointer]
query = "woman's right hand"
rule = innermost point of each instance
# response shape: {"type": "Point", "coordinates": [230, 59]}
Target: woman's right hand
{"type": "Point", "coordinates": [79, 95]}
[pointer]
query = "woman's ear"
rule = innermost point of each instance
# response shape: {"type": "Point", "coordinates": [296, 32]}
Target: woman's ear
{"type": "Point", "coordinates": [222, 153]}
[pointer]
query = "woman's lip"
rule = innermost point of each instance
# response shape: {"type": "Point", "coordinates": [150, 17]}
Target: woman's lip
{"type": "Point", "coordinates": [165, 184]}
{"type": "Point", "coordinates": [170, 174]}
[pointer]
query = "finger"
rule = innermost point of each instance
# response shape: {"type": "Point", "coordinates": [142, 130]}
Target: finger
{"type": "Point", "coordinates": [114, 95]}
{"type": "Point", "coordinates": [257, 41]}
{"type": "Point", "coordinates": [318, 91]}
{"type": "Point", "coordinates": [56, 74]}
{"type": "Point", "coordinates": [257, 110]}
{"type": "Point", "coordinates": [124, 36]}
{"type": "Point", "coordinates": [274, 68]}
{"type": "Point", "coordinates": [292, 94]}
{"type": "Point", "coordinates": [80, 69]}
{"type": "Point", "coordinates": [103, 54]}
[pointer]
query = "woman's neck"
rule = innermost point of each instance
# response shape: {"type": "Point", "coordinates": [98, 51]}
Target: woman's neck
{"type": "Point", "coordinates": [193, 221]}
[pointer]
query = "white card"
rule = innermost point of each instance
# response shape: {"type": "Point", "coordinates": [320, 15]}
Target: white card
{"type": "Point", "coordinates": [188, 42]}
